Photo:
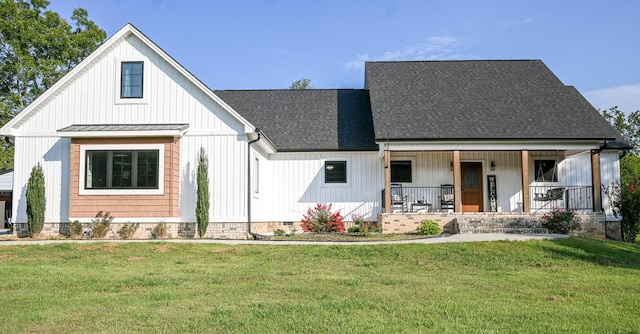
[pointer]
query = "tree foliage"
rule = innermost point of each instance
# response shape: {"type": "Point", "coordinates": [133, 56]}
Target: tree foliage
{"type": "Point", "coordinates": [627, 125]}
{"type": "Point", "coordinates": [202, 201]}
{"type": "Point", "coordinates": [303, 83]}
{"type": "Point", "coordinates": [36, 201]}
{"type": "Point", "coordinates": [37, 47]}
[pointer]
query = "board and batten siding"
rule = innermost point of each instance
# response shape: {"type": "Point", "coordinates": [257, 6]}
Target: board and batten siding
{"type": "Point", "coordinates": [227, 176]}
{"type": "Point", "coordinates": [90, 98]}
{"type": "Point", "coordinates": [53, 154]}
{"type": "Point", "coordinates": [291, 183]}
{"type": "Point", "coordinates": [610, 174]}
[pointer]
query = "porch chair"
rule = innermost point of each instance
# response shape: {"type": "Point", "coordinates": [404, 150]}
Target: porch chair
{"type": "Point", "coordinates": [397, 197]}
{"type": "Point", "coordinates": [446, 197]}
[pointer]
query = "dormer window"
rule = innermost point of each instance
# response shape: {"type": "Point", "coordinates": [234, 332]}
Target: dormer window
{"type": "Point", "coordinates": [131, 82]}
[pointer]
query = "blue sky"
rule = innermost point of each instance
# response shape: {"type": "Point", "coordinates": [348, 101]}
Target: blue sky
{"type": "Point", "coordinates": [268, 44]}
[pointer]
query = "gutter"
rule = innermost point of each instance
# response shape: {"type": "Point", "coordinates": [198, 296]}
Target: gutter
{"type": "Point", "coordinates": [249, 181]}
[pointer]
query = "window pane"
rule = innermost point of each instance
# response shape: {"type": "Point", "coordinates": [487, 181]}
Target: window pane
{"type": "Point", "coordinates": [401, 171]}
{"type": "Point", "coordinates": [148, 169]}
{"type": "Point", "coordinates": [121, 170]}
{"type": "Point", "coordinates": [131, 84]}
{"type": "Point", "coordinates": [96, 169]}
{"type": "Point", "coordinates": [335, 172]}
{"type": "Point", "coordinates": [546, 171]}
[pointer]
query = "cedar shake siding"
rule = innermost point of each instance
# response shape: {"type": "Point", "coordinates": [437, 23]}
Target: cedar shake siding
{"type": "Point", "coordinates": [127, 206]}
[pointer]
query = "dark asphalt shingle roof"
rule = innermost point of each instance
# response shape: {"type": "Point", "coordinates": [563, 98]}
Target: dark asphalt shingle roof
{"type": "Point", "coordinates": [511, 99]}
{"type": "Point", "coordinates": [307, 119]}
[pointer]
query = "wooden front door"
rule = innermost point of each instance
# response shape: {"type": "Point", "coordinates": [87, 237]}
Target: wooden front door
{"type": "Point", "coordinates": [472, 187]}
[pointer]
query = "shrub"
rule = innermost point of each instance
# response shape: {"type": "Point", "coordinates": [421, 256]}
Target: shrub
{"type": "Point", "coordinates": [36, 201]}
{"type": "Point", "coordinates": [362, 226]}
{"type": "Point", "coordinates": [625, 203]}
{"type": "Point", "coordinates": [101, 225]}
{"type": "Point", "coordinates": [202, 201]}
{"type": "Point", "coordinates": [128, 230]}
{"type": "Point", "coordinates": [75, 229]}
{"type": "Point", "coordinates": [321, 220]}
{"type": "Point", "coordinates": [429, 227]}
{"type": "Point", "coordinates": [159, 231]}
{"type": "Point", "coordinates": [354, 229]}
{"type": "Point", "coordinates": [278, 232]}
{"type": "Point", "coordinates": [561, 221]}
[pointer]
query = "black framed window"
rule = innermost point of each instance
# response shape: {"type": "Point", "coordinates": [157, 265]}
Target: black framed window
{"type": "Point", "coordinates": [131, 79]}
{"type": "Point", "coordinates": [546, 170]}
{"type": "Point", "coordinates": [122, 169]}
{"type": "Point", "coordinates": [401, 171]}
{"type": "Point", "coordinates": [335, 172]}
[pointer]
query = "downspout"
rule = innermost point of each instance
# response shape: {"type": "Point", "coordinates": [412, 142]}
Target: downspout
{"type": "Point", "coordinates": [249, 180]}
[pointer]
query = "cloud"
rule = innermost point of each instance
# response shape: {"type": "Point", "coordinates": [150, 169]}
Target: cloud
{"type": "Point", "coordinates": [627, 98]}
{"type": "Point", "coordinates": [434, 48]}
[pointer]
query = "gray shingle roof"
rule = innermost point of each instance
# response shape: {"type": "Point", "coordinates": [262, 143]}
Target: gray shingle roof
{"type": "Point", "coordinates": [123, 127]}
{"type": "Point", "coordinates": [307, 119]}
{"type": "Point", "coordinates": [440, 100]}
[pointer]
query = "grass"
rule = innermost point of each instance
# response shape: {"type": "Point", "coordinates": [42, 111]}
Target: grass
{"type": "Point", "coordinates": [569, 286]}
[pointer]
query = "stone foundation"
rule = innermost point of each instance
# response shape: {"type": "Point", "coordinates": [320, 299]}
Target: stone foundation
{"type": "Point", "coordinates": [145, 230]}
{"type": "Point", "coordinates": [593, 223]}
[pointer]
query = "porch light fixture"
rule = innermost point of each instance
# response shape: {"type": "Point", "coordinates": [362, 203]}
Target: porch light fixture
{"type": "Point", "coordinates": [493, 165]}
{"type": "Point", "coordinates": [451, 166]}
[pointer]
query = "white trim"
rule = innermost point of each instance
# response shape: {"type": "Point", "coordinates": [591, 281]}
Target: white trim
{"type": "Point", "coordinates": [81, 171]}
{"type": "Point", "coordinates": [127, 134]}
{"type": "Point", "coordinates": [145, 81]}
{"type": "Point", "coordinates": [489, 145]}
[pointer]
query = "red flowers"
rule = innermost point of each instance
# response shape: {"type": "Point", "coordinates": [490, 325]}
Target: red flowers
{"type": "Point", "coordinates": [321, 220]}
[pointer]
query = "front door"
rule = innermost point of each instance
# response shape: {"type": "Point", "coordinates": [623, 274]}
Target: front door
{"type": "Point", "coordinates": [472, 187]}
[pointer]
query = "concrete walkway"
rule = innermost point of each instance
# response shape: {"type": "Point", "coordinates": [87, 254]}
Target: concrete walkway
{"type": "Point", "coordinates": [445, 238]}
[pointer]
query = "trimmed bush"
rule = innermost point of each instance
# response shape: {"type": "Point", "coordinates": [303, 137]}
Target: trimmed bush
{"type": "Point", "coordinates": [36, 201]}
{"type": "Point", "coordinates": [429, 227]}
{"type": "Point", "coordinates": [101, 225]}
{"type": "Point", "coordinates": [159, 231]}
{"type": "Point", "coordinates": [127, 230]}
{"type": "Point", "coordinates": [75, 229]}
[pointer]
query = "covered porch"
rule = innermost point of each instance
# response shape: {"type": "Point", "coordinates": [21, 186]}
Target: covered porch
{"type": "Point", "coordinates": [527, 181]}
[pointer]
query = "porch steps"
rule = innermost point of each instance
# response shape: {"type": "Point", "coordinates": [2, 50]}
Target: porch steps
{"type": "Point", "coordinates": [508, 225]}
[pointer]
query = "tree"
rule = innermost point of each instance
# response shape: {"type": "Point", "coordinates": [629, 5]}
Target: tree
{"type": "Point", "coordinates": [625, 197]}
{"type": "Point", "coordinates": [202, 202]}
{"type": "Point", "coordinates": [36, 202]}
{"type": "Point", "coordinates": [37, 47]}
{"type": "Point", "coordinates": [628, 126]}
{"type": "Point", "coordinates": [303, 83]}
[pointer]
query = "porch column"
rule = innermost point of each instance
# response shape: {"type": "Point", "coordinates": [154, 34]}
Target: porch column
{"type": "Point", "coordinates": [457, 182]}
{"type": "Point", "coordinates": [596, 181]}
{"type": "Point", "coordinates": [526, 200]}
{"type": "Point", "coordinates": [387, 181]}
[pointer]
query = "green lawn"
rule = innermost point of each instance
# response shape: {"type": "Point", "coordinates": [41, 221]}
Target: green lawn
{"type": "Point", "coordinates": [569, 286]}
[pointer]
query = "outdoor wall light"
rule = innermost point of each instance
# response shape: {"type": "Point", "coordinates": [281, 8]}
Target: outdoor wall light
{"type": "Point", "coordinates": [451, 165]}
{"type": "Point", "coordinates": [493, 165]}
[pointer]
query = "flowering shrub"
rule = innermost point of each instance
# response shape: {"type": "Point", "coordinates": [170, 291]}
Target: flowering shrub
{"type": "Point", "coordinates": [362, 226]}
{"type": "Point", "coordinates": [321, 220]}
{"type": "Point", "coordinates": [561, 221]}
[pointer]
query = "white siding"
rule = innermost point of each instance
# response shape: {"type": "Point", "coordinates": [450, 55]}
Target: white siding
{"type": "Point", "coordinates": [294, 182]}
{"type": "Point", "coordinates": [609, 173]}
{"type": "Point", "coordinates": [53, 154]}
